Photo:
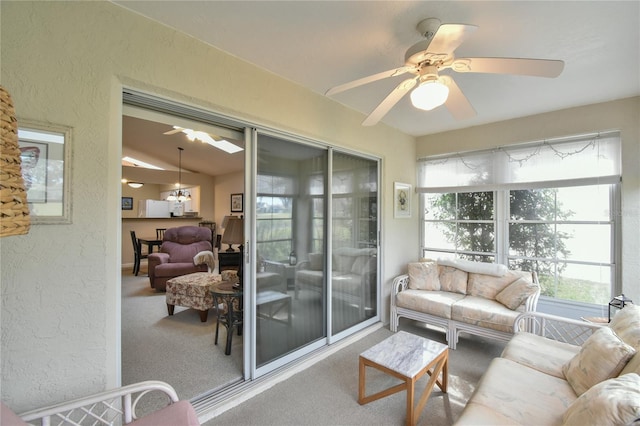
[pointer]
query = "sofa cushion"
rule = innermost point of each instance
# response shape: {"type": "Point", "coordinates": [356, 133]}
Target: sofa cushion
{"type": "Point", "coordinates": [626, 324]}
{"type": "Point", "coordinates": [516, 293]}
{"type": "Point", "coordinates": [488, 286]}
{"type": "Point", "coordinates": [612, 402]}
{"type": "Point", "coordinates": [436, 303]}
{"type": "Point", "coordinates": [484, 313]}
{"type": "Point", "coordinates": [178, 268]}
{"type": "Point", "coordinates": [424, 276]}
{"type": "Point", "coordinates": [523, 395]}
{"type": "Point", "coordinates": [540, 353]}
{"type": "Point", "coordinates": [452, 279]}
{"type": "Point", "coordinates": [315, 261]}
{"type": "Point", "coordinates": [602, 356]}
{"type": "Point", "coordinates": [633, 366]}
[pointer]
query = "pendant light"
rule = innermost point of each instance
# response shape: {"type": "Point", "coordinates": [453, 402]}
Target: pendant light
{"type": "Point", "coordinates": [181, 195]}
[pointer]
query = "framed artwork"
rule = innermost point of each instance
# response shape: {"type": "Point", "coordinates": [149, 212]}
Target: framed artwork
{"type": "Point", "coordinates": [401, 200]}
{"type": "Point", "coordinates": [45, 155]}
{"type": "Point", "coordinates": [237, 203]}
{"type": "Point", "coordinates": [127, 203]}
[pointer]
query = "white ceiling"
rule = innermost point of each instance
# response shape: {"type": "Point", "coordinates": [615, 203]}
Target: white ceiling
{"type": "Point", "coordinates": [321, 44]}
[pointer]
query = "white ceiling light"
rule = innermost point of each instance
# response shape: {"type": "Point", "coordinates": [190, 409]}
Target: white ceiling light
{"type": "Point", "coordinates": [430, 94]}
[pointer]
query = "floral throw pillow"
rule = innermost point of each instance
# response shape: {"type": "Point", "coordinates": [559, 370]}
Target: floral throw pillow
{"type": "Point", "coordinates": [424, 276]}
{"type": "Point", "coordinates": [602, 356]}
{"type": "Point", "coordinates": [612, 402]}
{"type": "Point", "coordinates": [515, 293]}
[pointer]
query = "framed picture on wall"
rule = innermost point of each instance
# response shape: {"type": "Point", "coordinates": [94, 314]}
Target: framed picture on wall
{"type": "Point", "coordinates": [401, 200]}
{"type": "Point", "coordinates": [237, 203]}
{"type": "Point", "coordinates": [127, 203]}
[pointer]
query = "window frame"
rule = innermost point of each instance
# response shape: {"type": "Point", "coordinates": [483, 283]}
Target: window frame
{"type": "Point", "coordinates": [503, 220]}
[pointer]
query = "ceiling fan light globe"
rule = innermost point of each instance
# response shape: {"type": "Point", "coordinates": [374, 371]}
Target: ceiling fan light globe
{"type": "Point", "coordinates": [429, 95]}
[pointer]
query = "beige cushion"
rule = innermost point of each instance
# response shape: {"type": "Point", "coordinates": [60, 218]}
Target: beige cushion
{"type": "Point", "coordinates": [602, 356]}
{"type": "Point", "coordinates": [626, 324]}
{"type": "Point", "coordinates": [540, 353]}
{"type": "Point", "coordinates": [488, 286]}
{"type": "Point", "coordinates": [612, 402]}
{"type": "Point", "coordinates": [436, 303]}
{"type": "Point", "coordinates": [424, 276]}
{"type": "Point", "coordinates": [315, 261]}
{"type": "Point", "coordinates": [633, 366]}
{"type": "Point", "coordinates": [516, 293]}
{"type": "Point", "coordinates": [452, 279]}
{"type": "Point", "coordinates": [484, 313]}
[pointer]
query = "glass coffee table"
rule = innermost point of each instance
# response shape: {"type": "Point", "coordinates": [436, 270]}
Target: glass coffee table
{"type": "Point", "coordinates": [407, 357]}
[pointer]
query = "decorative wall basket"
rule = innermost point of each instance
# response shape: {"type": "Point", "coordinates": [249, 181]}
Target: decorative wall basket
{"type": "Point", "coordinates": [14, 210]}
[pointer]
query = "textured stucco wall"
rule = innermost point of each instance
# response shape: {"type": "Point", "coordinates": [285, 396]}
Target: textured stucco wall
{"type": "Point", "coordinates": [619, 115]}
{"type": "Point", "coordinates": [66, 63]}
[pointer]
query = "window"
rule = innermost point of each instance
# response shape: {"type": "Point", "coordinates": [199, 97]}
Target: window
{"type": "Point", "coordinates": [274, 216]}
{"type": "Point", "coordinates": [563, 229]}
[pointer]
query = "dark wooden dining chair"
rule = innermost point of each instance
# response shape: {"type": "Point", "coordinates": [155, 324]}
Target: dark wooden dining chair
{"type": "Point", "coordinates": [160, 233]}
{"type": "Point", "coordinates": [137, 253]}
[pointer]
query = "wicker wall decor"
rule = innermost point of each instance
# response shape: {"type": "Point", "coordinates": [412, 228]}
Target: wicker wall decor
{"type": "Point", "coordinates": [14, 210]}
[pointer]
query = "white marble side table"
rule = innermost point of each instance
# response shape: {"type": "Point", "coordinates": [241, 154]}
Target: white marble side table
{"type": "Point", "coordinates": [407, 357]}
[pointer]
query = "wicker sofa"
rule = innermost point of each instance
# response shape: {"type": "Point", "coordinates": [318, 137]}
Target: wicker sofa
{"type": "Point", "coordinates": [462, 296]}
{"type": "Point", "coordinates": [563, 371]}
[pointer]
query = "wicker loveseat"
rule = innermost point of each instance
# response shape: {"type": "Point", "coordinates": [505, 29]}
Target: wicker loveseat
{"type": "Point", "coordinates": [461, 296]}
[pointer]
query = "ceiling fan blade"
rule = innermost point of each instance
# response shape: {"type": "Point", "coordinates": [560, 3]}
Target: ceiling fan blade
{"type": "Point", "coordinates": [370, 79]}
{"type": "Point", "coordinates": [388, 102]}
{"type": "Point", "coordinates": [518, 66]}
{"type": "Point", "coordinates": [449, 37]}
{"type": "Point", "coordinates": [457, 103]}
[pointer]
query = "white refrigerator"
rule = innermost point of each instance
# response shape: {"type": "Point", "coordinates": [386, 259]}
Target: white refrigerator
{"type": "Point", "coordinates": [154, 208]}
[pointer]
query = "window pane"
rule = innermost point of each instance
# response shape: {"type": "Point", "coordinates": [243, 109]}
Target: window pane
{"type": "Point", "coordinates": [475, 206]}
{"type": "Point", "coordinates": [581, 283]}
{"type": "Point", "coordinates": [586, 202]}
{"type": "Point", "coordinates": [533, 240]}
{"type": "Point", "coordinates": [530, 204]}
{"type": "Point", "coordinates": [476, 237]}
{"type": "Point", "coordinates": [439, 235]}
{"type": "Point", "coordinates": [591, 243]}
{"type": "Point", "coordinates": [440, 206]}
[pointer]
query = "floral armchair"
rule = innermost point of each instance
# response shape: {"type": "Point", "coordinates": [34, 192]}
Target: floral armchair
{"type": "Point", "coordinates": [179, 246]}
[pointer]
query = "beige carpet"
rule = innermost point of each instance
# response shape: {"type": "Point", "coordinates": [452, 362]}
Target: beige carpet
{"type": "Point", "coordinates": [326, 393]}
{"type": "Point", "coordinates": [176, 349]}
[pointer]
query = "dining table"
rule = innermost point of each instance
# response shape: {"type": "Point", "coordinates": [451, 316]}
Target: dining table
{"type": "Point", "coordinates": [150, 242]}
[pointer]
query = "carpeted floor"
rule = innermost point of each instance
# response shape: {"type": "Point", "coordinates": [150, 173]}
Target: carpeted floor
{"type": "Point", "coordinates": [176, 349]}
{"type": "Point", "coordinates": [179, 350]}
{"type": "Point", "coordinates": [327, 392]}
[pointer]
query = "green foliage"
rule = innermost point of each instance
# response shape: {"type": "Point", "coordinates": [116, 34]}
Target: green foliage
{"type": "Point", "coordinates": [462, 214]}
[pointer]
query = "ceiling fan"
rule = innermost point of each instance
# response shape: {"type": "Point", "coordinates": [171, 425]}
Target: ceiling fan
{"type": "Point", "coordinates": [427, 57]}
{"type": "Point", "coordinates": [211, 139]}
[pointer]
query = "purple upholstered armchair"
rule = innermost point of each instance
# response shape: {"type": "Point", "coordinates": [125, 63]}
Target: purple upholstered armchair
{"type": "Point", "coordinates": [179, 246]}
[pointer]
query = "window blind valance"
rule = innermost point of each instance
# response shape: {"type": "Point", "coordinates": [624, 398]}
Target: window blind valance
{"type": "Point", "coordinates": [581, 160]}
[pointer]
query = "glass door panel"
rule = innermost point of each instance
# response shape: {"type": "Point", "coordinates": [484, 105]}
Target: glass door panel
{"type": "Point", "coordinates": [290, 234]}
{"type": "Point", "coordinates": [354, 240]}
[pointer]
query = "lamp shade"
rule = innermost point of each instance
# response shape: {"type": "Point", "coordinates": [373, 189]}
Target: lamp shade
{"type": "Point", "coordinates": [234, 231]}
{"type": "Point", "coordinates": [135, 185]}
{"type": "Point", "coordinates": [429, 95]}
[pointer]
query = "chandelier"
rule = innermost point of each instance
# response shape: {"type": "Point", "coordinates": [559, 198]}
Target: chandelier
{"type": "Point", "coordinates": [180, 195]}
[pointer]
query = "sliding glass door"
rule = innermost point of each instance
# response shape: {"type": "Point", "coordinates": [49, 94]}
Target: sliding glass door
{"type": "Point", "coordinates": [354, 236]}
{"type": "Point", "coordinates": [290, 273]}
{"type": "Point", "coordinates": [316, 240]}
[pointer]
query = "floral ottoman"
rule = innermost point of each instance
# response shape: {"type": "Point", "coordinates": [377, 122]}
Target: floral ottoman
{"type": "Point", "coordinates": [192, 291]}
